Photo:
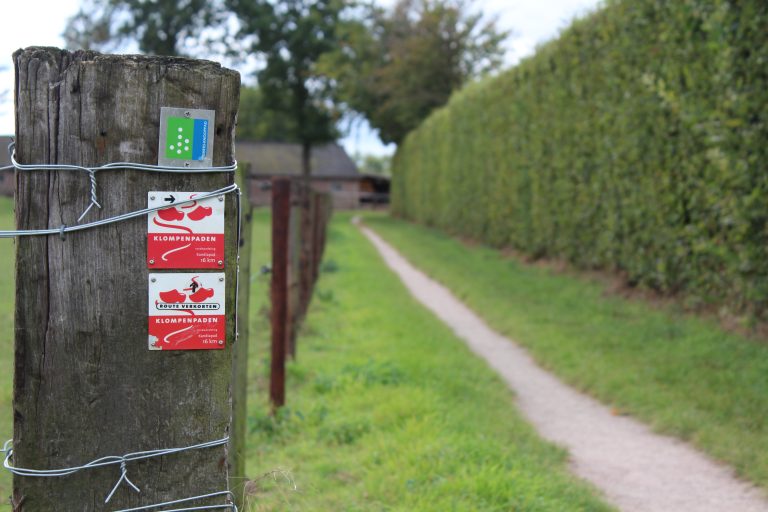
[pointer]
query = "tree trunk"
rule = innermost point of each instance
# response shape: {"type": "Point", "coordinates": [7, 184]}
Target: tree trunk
{"type": "Point", "coordinates": [86, 385]}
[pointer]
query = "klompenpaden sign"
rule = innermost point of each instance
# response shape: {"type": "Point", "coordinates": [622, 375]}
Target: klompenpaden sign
{"type": "Point", "coordinates": [185, 236]}
{"type": "Point", "coordinates": [186, 311]}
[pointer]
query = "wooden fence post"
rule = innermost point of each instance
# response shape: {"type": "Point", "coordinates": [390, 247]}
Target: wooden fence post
{"type": "Point", "coordinates": [327, 210]}
{"type": "Point", "coordinates": [85, 384]}
{"type": "Point", "coordinates": [305, 251]}
{"type": "Point", "coordinates": [281, 211]}
{"type": "Point", "coordinates": [299, 217]}
{"type": "Point", "coordinates": [240, 364]}
{"type": "Point", "coordinates": [294, 275]}
{"type": "Point", "coordinates": [318, 224]}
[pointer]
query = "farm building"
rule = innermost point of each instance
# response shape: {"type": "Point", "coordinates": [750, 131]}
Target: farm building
{"type": "Point", "coordinates": [332, 171]}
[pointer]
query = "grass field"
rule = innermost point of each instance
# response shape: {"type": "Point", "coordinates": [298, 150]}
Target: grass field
{"type": "Point", "coordinates": [683, 375]}
{"type": "Point", "coordinates": [7, 255]}
{"type": "Point", "coordinates": [387, 410]}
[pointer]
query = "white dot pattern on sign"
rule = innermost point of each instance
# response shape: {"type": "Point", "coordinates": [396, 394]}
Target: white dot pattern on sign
{"type": "Point", "coordinates": [178, 151]}
{"type": "Point", "coordinates": [173, 147]}
{"type": "Point", "coordinates": [186, 141]}
{"type": "Point", "coordinates": [186, 148]}
{"type": "Point", "coordinates": [179, 137]}
{"type": "Point", "coordinates": [180, 130]}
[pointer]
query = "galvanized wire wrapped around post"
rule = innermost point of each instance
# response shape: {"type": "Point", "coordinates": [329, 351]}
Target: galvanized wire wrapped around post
{"type": "Point", "coordinates": [85, 381]}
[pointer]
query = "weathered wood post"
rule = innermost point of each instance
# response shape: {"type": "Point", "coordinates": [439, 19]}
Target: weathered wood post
{"type": "Point", "coordinates": [281, 211]}
{"type": "Point", "coordinates": [318, 224]}
{"type": "Point", "coordinates": [305, 261]}
{"type": "Point", "coordinates": [294, 275]}
{"type": "Point", "coordinates": [86, 385]}
{"type": "Point", "coordinates": [327, 210]}
{"type": "Point", "coordinates": [240, 365]}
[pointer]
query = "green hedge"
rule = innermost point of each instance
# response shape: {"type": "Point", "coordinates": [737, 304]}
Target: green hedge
{"type": "Point", "coordinates": [637, 141]}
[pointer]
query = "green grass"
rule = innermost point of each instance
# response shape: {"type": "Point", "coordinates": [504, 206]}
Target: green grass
{"type": "Point", "coordinates": [682, 374]}
{"type": "Point", "coordinates": [387, 409]}
{"type": "Point", "coordinates": [7, 286]}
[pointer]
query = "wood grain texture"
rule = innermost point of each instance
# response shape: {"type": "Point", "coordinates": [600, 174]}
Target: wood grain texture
{"type": "Point", "coordinates": [237, 445]}
{"type": "Point", "coordinates": [294, 271]}
{"type": "Point", "coordinates": [305, 198]}
{"type": "Point", "coordinates": [85, 384]}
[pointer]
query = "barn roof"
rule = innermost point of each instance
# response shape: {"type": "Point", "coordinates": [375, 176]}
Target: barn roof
{"type": "Point", "coordinates": [281, 158]}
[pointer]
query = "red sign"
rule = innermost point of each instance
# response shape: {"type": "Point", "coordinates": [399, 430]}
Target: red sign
{"type": "Point", "coordinates": [186, 311]}
{"type": "Point", "coordinates": [186, 236]}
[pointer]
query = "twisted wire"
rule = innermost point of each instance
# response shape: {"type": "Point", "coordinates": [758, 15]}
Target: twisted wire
{"type": "Point", "coordinates": [123, 478]}
{"type": "Point", "coordinates": [135, 456]}
{"type": "Point", "coordinates": [112, 165]}
{"type": "Point", "coordinates": [109, 460]}
{"type": "Point", "coordinates": [118, 218]}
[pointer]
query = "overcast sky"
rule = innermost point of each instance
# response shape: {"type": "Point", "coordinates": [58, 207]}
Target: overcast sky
{"type": "Point", "coordinates": [40, 23]}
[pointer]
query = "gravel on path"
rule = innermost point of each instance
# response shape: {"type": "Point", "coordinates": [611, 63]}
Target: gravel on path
{"type": "Point", "coordinates": [636, 469]}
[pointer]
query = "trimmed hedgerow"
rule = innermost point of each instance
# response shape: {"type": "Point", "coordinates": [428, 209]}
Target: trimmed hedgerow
{"type": "Point", "coordinates": [636, 141]}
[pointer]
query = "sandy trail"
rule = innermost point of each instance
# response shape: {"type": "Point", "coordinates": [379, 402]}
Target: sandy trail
{"type": "Point", "coordinates": [636, 469]}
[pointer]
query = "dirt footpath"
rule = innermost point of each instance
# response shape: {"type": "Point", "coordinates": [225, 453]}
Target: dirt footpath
{"type": "Point", "coordinates": [636, 469]}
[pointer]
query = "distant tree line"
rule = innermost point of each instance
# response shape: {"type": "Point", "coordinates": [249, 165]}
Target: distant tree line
{"type": "Point", "coordinates": [322, 59]}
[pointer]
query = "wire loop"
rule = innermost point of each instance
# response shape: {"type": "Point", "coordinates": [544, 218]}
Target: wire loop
{"type": "Point", "coordinates": [123, 460]}
{"type": "Point", "coordinates": [93, 198]}
{"type": "Point", "coordinates": [230, 506]}
{"type": "Point", "coordinates": [103, 461]}
{"type": "Point", "coordinates": [123, 478]}
{"type": "Point", "coordinates": [113, 165]}
{"type": "Point", "coordinates": [118, 218]}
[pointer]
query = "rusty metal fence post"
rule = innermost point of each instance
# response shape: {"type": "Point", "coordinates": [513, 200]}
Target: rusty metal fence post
{"type": "Point", "coordinates": [299, 221]}
{"type": "Point", "coordinates": [281, 215]}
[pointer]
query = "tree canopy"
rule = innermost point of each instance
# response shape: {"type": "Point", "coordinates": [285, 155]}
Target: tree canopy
{"type": "Point", "coordinates": [374, 164]}
{"type": "Point", "coordinates": [158, 26]}
{"type": "Point", "coordinates": [391, 66]}
{"type": "Point", "coordinates": [292, 101]}
{"type": "Point", "coordinates": [396, 66]}
{"type": "Point", "coordinates": [256, 122]}
{"type": "Point", "coordinates": [292, 35]}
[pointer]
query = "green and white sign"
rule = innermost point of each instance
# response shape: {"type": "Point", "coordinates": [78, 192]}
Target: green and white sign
{"type": "Point", "coordinates": [186, 137]}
